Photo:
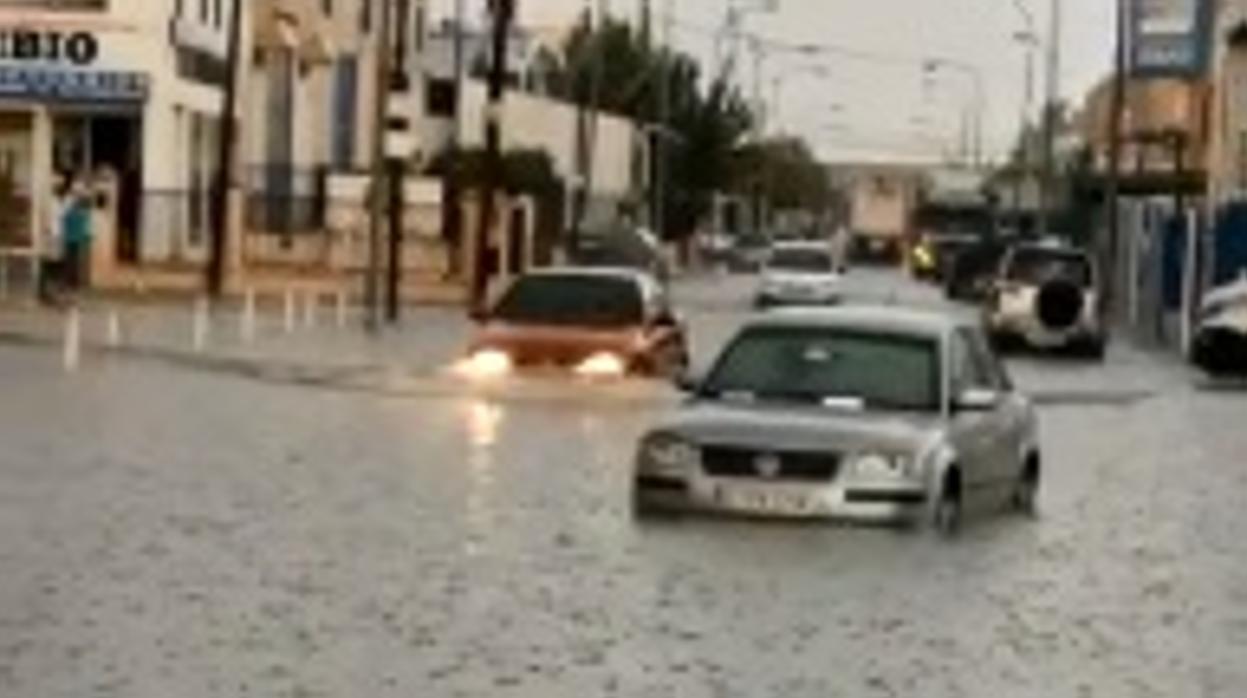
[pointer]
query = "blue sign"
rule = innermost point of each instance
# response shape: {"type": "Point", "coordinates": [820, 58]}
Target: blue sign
{"type": "Point", "coordinates": [1170, 38]}
{"type": "Point", "coordinates": [73, 85]}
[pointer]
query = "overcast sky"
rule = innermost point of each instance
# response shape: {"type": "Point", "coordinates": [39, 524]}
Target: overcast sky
{"type": "Point", "coordinates": [877, 106]}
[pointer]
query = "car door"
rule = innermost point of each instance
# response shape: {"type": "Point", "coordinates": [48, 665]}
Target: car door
{"type": "Point", "coordinates": [1009, 420]}
{"type": "Point", "coordinates": [976, 433]}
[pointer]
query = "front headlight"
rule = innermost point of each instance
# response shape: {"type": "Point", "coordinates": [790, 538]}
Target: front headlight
{"type": "Point", "coordinates": [603, 365]}
{"type": "Point", "coordinates": [486, 364]}
{"type": "Point", "coordinates": [882, 466]}
{"type": "Point", "coordinates": [667, 454]}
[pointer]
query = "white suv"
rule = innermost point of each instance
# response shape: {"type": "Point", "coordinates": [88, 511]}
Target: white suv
{"type": "Point", "coordinates": [799, 273]}
{"type": "Point", "coordinates": [1046, 298]}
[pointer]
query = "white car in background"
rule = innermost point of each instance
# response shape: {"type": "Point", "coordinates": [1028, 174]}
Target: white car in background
{"type": "Point", "coordinates": [800, 273]}
{"type": "Point", "coordinates": [1047, 298]}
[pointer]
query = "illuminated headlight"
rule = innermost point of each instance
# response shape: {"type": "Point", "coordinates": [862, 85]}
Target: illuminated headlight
{"type": "Point", "coordinates": [604, 365]}
{"type": "Point", "coordinates": [667, 454]}
{"type": "Point", "coordinates": [486, 364]}
{"type": "Point", "coordinates": [879, 466]}
{"type": "Point", "coordinates": [923, 257]}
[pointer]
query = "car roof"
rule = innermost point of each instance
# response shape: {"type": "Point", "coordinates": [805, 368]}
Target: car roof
{"type": "Point", "coordinates": [801, 245]}
{"type": "Point", "coordinates": [621, 273]}
{"type": "Point", "coordinates": [889, 319]}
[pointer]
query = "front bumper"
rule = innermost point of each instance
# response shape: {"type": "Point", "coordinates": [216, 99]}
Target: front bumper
{"type": "Point", "coordinates": [794, 297]}
{"type": "Point", "coordinates": [871, 503]}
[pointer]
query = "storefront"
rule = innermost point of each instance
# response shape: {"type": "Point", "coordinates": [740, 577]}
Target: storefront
{"type": "Point", "coordinates": [67, 115]}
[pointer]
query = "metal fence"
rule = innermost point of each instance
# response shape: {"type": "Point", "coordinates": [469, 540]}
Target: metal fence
{"type": "Point", "coordinates": [286, 201]}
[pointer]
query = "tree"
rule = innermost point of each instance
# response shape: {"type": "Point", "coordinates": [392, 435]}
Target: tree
{"type": "Point", "coordinates": [785, 172]}
{"type": "Point", "coordinates": [615, 68]}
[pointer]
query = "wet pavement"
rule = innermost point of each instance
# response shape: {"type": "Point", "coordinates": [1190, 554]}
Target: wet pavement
{"type": "Point", "coordinates": [183, 528]}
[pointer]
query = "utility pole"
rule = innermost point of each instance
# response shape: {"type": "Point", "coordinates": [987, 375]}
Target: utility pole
{"type": "Point", "coordinates": [399, 81]}
{"type": "Point", "coordinates": [452, 212]}
{"type": "Point", "coordinates": [664, 118]}
{"type": "Point", "coordinates": [1112, 187]}
{"type": "Point", "coordinates": [503, 11]}
{"type": "Point", "coordinates": [1047, 183]}
{"type": "Point", "coordinates": [376, 189]}
{"type": "Point", "coordinates": [759, 133]}
{"type": "Point", "coordinates": [225, 157]}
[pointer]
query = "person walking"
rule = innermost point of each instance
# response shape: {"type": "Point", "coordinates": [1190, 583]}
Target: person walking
{"type": "Point", "coordinates": [76, 234]}
{"type": "Point", "coordinates": [52, 253]}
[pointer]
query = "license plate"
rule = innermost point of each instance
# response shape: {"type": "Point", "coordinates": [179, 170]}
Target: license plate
{"type": "Point", "coordinates": [762, 500]}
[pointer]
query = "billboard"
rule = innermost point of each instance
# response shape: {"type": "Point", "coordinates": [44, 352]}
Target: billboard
{"type": "Point", "coordinates": [1170, 38]}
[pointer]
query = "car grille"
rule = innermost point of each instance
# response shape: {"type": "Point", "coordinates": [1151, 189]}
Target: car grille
{"type": "Point", "coordinates": [726, 461]}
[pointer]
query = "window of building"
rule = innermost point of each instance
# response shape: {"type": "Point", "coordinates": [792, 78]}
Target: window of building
{"type": "Point", "coordinates": [326, 7]}
{"type": "Point", "coordinates": [203, 11]}
{"type": "Point", "coordinates": [345, 96]}
{"type": "Point", "coordinates": [365, 16]}
{"type": "Point", "coordinates": [439, 98]}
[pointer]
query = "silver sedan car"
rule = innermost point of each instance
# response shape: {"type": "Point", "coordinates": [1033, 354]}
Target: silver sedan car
{"type": "Point", "coordinates": [877, 415]}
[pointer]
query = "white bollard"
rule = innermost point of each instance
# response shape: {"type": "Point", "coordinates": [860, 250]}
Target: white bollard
{"type": "Point", "coordinates": [341, 308]}
{"type": "Point", "coordinates": [287, 322]}
{"type": "Point", "coordinates": [72, 354]}
{"type": "Point", "coordinates": [113, 329]}
{"type": "Point", "coordinates": [309, 308]}
{"type": "Point", "coordinates": [199, 329]}
{"type": "Point", "coordinates": [246, 330]}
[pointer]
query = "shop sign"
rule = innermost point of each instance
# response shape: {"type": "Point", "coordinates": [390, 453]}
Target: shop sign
{"type": "Point", "coordinates": [68, 85]}
{"type": "Point", "coordinates": [77, 48]}
{"type": "Point", "coordinates": [1170, 38]}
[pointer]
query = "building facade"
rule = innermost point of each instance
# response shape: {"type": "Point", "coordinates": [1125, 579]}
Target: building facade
{"type": "Point", "coordinates": [120, 95]}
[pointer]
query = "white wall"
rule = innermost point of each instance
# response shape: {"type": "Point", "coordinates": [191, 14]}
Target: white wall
{"type": "Point", "coordinates": [537, 122]}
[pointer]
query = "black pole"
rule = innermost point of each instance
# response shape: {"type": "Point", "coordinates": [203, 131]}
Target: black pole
{"type": "Point", "coordinates": [1113, 185]}
{"type": "Point", "coordinates": [502, 10]}
{"type": "Point", "coordinates": [218, 245]}
{"type": "Point", "coordinates": [452, 214]}
{"type": "Point", "coordinates": [376, 190]}
{"type": "Point", "coordinates": [393, 276]}
{"type": "Point", "coordinates": [400, 81]}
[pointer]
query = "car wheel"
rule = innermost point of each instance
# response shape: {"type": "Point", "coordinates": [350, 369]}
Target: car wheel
{"type": "Point", "coordinates": [946, 516]}
{"type": "Point", "coordinates": [1025, 498]}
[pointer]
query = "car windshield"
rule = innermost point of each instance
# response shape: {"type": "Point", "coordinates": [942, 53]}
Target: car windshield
{"type": "Point", "coordinates": [800, 259]}
{"type": "Point", "coordinates": [1031, 266]}
{"type": "Point", "coordinates": [883, 371]}
{"type": "Point", "coordinates": [572, 299]}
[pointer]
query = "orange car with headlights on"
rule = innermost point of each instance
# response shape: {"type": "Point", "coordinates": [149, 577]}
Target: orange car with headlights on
{"type": "Point", "coordinates": [594, 323]}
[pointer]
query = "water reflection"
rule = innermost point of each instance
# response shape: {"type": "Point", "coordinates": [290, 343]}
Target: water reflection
{"type": "Point", "coordinates": [484, 420]}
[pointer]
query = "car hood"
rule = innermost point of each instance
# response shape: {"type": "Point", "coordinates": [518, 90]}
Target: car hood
{"type": "Point", "coordinates": [556, 343]}
{"type": "Point", "coordinates": [768, 426]}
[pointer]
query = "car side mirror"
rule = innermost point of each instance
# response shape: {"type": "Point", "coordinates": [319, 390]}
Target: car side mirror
{"type": "Point", "coordinates": [977, 400]}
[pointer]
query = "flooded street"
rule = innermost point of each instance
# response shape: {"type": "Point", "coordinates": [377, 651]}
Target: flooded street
{"type": "Point", "coordinates": [170, 531]}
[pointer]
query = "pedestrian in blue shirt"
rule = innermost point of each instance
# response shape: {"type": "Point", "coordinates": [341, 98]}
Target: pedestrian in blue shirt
{"type": "Point", "coordinates": [76, 235]}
